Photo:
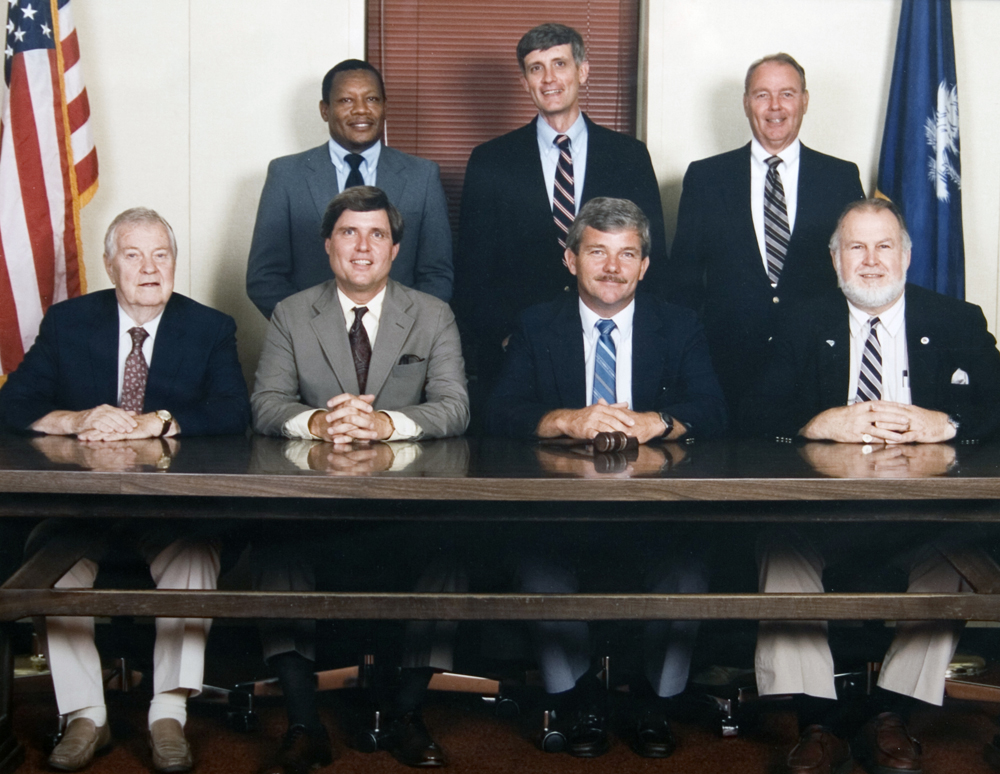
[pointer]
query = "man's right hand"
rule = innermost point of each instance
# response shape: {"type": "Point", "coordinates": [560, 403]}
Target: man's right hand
{"type": "Point", "coordinates": [99, 421]}
{"type": "Point", "coordinates": [859, 423]}
{"type": "Point", "coordinates": [600, 417]}
{"type": "Point", "coordinates": [350, 418]}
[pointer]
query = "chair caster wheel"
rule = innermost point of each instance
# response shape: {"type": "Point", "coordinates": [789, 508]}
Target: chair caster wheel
{"type": "Point", "coordinates": [507, 708]}
{"type": "Point", "coordinates": [243, 721]}
{"type": "Point", "coordinates": [49, 742]}
{"type": "Point", "coordinates": [552, 741]}
{"type": "Point", "coordinates": [366, 742]}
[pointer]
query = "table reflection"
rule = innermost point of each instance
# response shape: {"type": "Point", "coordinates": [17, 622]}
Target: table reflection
{"type": "Point", "coordinates": [851, 460]}
{"type": "Point", "coordinates": [109, 456]}
{"type": "Point", "coordinates": [584, 462]}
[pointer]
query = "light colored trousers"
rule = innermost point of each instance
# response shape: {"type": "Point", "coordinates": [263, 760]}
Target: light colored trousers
{"type": "Point", "coordinates": [794, 656]}
{"type": "Point", "coordinates": [179, 653]}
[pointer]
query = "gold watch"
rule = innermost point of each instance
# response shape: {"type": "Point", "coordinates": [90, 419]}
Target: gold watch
{"type": "Point", "coordinates": [168, 420]}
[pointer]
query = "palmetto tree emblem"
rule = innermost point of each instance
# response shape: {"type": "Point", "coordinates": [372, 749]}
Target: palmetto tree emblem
{"type": "Point", "coordinates": [942, 137]}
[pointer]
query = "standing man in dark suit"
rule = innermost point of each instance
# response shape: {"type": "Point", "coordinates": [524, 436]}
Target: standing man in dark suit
{"type": "Point", "coordinates": [139, 361]}
{"type": "Point", "coordinates": [753, 225]}
{"type": "Point", "coordinates": [881, 363]}
{"type": "Point", "coordinates": [604, 359]}
{"type": "Point", "coordinates": [286, 253]}
{"type": "Point", "coordinates": [360, 358]}
{"type": "Point", "coordinates": [523, 189]}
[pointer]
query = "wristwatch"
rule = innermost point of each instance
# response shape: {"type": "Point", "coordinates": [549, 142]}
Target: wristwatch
{"type": "Point", "coordinates": [167, 418]}
{"type": "Point", "coordinates": [668, 421]}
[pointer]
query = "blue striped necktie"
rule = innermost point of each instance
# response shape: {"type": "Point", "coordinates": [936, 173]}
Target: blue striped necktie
{"type": "Point", "coordinates": [777, 234]}
{"type": "Point", "coordinates": [870, 376]}
{"type": "Point", "coordinates": [604, 364]}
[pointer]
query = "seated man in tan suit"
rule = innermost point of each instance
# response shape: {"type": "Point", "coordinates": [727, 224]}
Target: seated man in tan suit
{"type": "Point", "coordinates": [357, 359]}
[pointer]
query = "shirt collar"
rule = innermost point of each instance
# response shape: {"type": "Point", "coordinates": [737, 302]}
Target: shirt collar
{"type": "Point", "coordinates": [789, 156]}
{"type": "Point", "coordinates": [338, 152]}
{"type": "Point", "coordinates": [547, 135]}
{"type": "Point", "coordinates": [623, 320]}
{"type": "Point", "coordinates": [125, 323]}
{"type": "Point", "coordinates": [374, 306]}
{"type": "Point", "coordinates": [891, 320]}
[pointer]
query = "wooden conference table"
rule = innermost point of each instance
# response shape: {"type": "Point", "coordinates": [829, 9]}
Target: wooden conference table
{"type": "Point", "coordinates": [466, 480]}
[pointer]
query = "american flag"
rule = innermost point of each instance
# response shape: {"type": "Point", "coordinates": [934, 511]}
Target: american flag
{"type": "Point", "coordinates": [48, 170]}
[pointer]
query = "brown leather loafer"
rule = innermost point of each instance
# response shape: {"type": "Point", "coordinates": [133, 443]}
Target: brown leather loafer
{"type": "Point", "coordinates": [819, 752]}
{"type": "Point", "coordinates": [81, 741]}
{"type": "Point", "coordinates": [886, 747]}
{"type": "Point", "coordinates": [171, 752]}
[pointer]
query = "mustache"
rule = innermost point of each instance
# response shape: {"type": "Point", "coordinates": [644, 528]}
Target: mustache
{"type": "Point", "coordinates": [612, 278]}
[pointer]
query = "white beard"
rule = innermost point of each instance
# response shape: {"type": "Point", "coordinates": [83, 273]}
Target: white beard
{"type": "Point", "coordinates": [871, 298]}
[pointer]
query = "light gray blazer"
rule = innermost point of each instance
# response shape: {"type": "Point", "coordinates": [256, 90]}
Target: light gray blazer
{"type": "Point", "coordinates": [287, 253]}
{"type": "Point", "coordinates": [306, 360]}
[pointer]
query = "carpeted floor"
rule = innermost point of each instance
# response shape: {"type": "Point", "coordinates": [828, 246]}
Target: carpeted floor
{"type": "Point", "coordinates": [477, 741]}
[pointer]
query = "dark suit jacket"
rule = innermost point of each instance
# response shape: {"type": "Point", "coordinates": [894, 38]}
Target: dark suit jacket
{"type": "Point", "coordinates": [287, 253]}
{"type": "Point", "coordinates": [807, 374]}
{"type": "Point", "coordinates": [715, 265]}
{"type": "Point", "coordinates": [544, 368]}
{"type": "Point", "coordinates": [73, 366]}
{"type": "Point", "coordinates": [508, 252]}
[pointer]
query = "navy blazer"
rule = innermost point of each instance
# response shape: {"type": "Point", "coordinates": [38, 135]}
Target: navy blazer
{"type": "Point", "coordinates": [716, 268]}
{"type": "Point", "coordinates": [810, 360]}
{"type": "Point", "coordinates": [287, 253]}
{"type": "Point", "coordinates": [194, 372]}
{"type": "Point", "coordinates": [509, 256]}
{"type": "Point", "coordinates": [544, 368]}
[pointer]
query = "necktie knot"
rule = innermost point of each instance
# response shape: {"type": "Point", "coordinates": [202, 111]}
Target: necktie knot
{"type": "Point", "coordinates": [605, 327]}
{"type": "Point", "coordinates": [872, 323]}
{"type": "Point", "coordinates": [563, 142]}
{"type": "Point", "coordinates": [772, 162]}
{"type": "Point", "coordinates": [139, 335]}
{"type": "Point", "coordinates": [354, 160]}
{"type": "Point", "coordinates": [359, 312]}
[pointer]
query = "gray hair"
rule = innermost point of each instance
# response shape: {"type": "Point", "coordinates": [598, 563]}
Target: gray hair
{"type": "Point", "coordinates": [871, 205]}
{"type": "Point", "coordinates": [609, 215]}
{"type": "Point", "coordinates": [782, 58]}
{"type": "Point", "coordinates": [546, 36]}
{"type": "Point", "coordinates": [132, 217]}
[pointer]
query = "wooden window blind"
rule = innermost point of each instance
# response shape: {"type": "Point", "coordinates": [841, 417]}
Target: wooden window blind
{"type": "Point", "coordinates": [452, 78]}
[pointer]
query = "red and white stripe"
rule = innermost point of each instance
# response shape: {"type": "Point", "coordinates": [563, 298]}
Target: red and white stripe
{"type": "Point", "coordinates": [48, 170]}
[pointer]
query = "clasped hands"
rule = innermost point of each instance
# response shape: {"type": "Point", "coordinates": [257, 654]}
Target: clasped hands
{"type": "Point", "coordinates": [103, 423]}
{"type": "Point", "coordinates": [604, 417]}
{"type": "Point", "coordinates": [882, 421]}
{"type": "Point", "coordinates": [350, 418]}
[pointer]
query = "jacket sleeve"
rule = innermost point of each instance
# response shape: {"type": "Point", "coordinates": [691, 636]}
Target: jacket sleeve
{"type": "Point", "coordinates": [696, 399]}
{"type": "Point", "coordinates": [433, 272]}
{"type": "Point", "coordinates": [269, 266]}
{"type": "Point", "coordinates": [30, 392]}
{"type": "Point", "coordinates": [685, 274]}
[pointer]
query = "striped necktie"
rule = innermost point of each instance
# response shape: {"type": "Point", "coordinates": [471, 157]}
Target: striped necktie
{"type": "Point", "coordinates": [776, 231]}
{"type": "Point", "coordinates": [604, 364]}
{"type": "Point", "coordinates": [563, 192]}
{"type": "Point", "coordinates": [870, 376]}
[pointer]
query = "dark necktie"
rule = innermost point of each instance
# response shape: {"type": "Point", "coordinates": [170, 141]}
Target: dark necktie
{"type": "Point", "coordinates": [604, 364]}
{"type": "Point", "coordinates": [136, 374]}
{"type": "Point", "coordinates": [870, 376]}
{"type": "Point", "coordinates": [361, 348]}
{"type": "Point", "coordinates": [563, 201]}
{"type": "Point", "coordinates": [354, 176]}
{"type": "Point", "coordinates": [776, 231]}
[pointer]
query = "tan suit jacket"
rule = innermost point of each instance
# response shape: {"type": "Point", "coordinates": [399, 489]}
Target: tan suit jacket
{"type": "Point", "coordinates": [416, 366]}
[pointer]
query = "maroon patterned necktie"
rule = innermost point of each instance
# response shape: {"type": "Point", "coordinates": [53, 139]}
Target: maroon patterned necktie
{"type": "Point", "coordinates": [136, 373]}
{"type": "Point", "coordinates": [361, 348]}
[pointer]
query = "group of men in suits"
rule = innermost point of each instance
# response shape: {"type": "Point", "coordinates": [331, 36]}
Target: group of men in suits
{"type": "Point", "coordinates": [351, 261]}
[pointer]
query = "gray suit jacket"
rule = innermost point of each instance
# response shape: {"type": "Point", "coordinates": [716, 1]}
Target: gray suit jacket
{"type": "Point", "coordinates": [287, 253]}
{"type": "Point", "coordinates": [306, 360]}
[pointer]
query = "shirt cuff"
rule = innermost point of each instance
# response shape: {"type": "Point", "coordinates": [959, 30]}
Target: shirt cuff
{"type": "Point", "coordinates": [298, 427]}
{"type": "Point", "coordinates": [404, 428]}
{"type": "Point", "coordinates": [404, 454]}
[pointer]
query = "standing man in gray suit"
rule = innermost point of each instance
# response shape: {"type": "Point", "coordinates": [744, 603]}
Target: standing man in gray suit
{"type": "Point", "coordinates": [286, 253]}
{"type": "Point", "coordinates": [359, 358]}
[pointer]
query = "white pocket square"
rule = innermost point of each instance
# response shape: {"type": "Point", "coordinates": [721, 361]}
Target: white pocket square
{"type": "Point", "coordinates": [959, 377]}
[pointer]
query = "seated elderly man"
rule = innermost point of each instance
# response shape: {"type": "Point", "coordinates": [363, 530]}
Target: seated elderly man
{"type": "Point", "coordinates": [357, 359]}
{"type": "Point", "coordinates": [139, 361]}
{"type": "Point", "coordinates": [880, 362]}
{"type": "Point", "coordinates": [609, 359]}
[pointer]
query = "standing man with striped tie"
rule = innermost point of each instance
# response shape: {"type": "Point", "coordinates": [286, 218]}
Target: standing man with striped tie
{"type": "Point", "coordinates": [606, 359]}
{"type": "Point", "coordinates": [522, 191]}
{"type": "Point", "coordinates": [882, 362]}
{"type": "Point", "coordinates": [753, 224]}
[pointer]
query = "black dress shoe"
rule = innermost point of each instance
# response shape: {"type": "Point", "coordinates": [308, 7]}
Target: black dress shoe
{"type": "Point", "coordinates": [587, 734]}
{"type": "Point", "coordinates": [302, 750]}
{"type": "Point", "coordinates": [653, 737]}
{"type": "Point", "coordinates": [410, 743]}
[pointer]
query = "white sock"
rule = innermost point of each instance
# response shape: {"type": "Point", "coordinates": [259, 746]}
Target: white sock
{"type": "Point", "coordinates": [169, 704]}
{"type": "Point", "coordinates": [98, 714]}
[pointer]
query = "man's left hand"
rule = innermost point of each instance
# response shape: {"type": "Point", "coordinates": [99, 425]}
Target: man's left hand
{"type": "Point", "coordinates": [148, 426]}
{"type": "Point", "coordinates": [925, 426]}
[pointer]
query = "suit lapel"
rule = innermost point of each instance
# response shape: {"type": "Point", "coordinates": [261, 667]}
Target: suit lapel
{"type": "Point", "coordinates": [103, 342]}
{"type": "Point", "coordinates": [736, 201]}
{"type": "Point", "coordinates": [389, 175]}
{"type": "Point", "coordinates": [810, 200]}
{"type": "Point", "coordinates": [168, 350]}
{"type": "Point", "coordinates": [526, 167]}
{"type": "Point", "coordinates": [649, 350]}
{"type": "Point", "coordinates": [321, 177]}
{"type": "Point", "coordinates": [921, 350]}
{"type": "Point", "coordinates": [564, 341]}
{"type": "Point", "coordinates": [393, 328]}
{"type": "Point", "coordinates": [330, 330]}
{"type": "Point", "coordinates": [834, 360]}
